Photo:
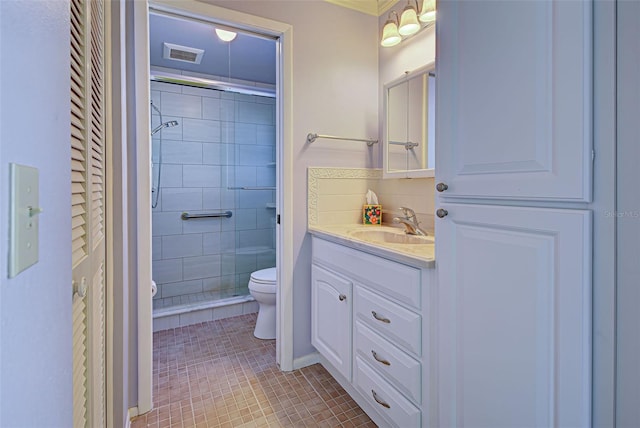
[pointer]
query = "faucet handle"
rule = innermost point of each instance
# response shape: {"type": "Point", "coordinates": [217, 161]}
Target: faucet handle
{"type": "Point", "coordinates": [408, 212]}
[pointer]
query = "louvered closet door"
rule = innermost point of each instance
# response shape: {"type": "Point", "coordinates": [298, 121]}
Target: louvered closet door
{"type": "Point", "coordinates": [87, 187]}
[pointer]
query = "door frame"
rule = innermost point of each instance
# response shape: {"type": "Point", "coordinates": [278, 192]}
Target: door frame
{"type": "Point", "coordinates": [284, 170]}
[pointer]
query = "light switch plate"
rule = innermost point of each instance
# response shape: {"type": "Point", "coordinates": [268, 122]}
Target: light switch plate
{"type": "Point", "coordinates": [24, 212]}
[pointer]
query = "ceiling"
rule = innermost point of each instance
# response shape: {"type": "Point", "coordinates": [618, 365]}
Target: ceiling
{"type": "Point", "coordinates": [252, 58]}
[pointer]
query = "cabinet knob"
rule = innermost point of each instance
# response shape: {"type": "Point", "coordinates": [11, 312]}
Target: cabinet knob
{"type": "Point", "coordinates": [441, 187]}
{"type": "Point", "coordinates": [342, 297]}
{"type": "Point", "coordinates": [442, 213]}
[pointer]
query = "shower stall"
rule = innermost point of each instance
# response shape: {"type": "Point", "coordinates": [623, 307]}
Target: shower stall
{"type": "Point", "coordinates": [213, 196]}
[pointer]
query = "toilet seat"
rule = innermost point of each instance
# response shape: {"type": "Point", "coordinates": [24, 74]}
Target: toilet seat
{"type": "Point", "coordinates": [264, 276]}
{"type": "Point", "coordinates": [263, 281]}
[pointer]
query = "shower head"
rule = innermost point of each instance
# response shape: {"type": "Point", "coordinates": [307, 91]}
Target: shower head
{"type": "Point", "coordinates": [169, 124]}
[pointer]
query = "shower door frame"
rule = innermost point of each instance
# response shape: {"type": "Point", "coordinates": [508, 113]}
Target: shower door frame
{"type": "Point", "coordinates": [284, 172]}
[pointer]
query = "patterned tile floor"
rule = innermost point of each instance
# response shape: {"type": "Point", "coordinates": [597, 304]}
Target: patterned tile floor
{"type": "Point", "coordinates": [216, 374]}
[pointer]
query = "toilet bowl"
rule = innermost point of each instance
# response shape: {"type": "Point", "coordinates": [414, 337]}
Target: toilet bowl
{"type": "Point", "coordinates": [263, 286]}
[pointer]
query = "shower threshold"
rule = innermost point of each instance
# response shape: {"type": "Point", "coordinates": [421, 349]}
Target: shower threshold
{"type": "Point", "coordinates": [200, 306]}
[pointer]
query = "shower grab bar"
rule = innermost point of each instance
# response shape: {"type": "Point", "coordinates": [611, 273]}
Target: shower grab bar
{"type": "Point", "coordinates": [252, 188]}
{"type": "Point", "coordinates": [187, 216]}
{"type": "Point", "coordinates": [313, 137]}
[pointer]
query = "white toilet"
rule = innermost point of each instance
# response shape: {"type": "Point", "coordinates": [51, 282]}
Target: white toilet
{"type": "Point", "coordinates": [262, 287]}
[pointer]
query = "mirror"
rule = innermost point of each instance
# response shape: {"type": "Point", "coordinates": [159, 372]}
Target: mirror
{"type": "Point", "coordinates": [409, 127]}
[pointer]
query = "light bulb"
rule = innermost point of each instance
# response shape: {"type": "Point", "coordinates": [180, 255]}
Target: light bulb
{"type": "Point", "coordinates": [409, 21]}
{"type": "Point", "coordinates": [225, 36]}
{"type": "Point", "coordinates": [390, 35]}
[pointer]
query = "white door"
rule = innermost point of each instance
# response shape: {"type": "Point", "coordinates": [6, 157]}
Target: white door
{"type": "Point", "coordinates": [88, 215]}
{"type": "Point", "coordinates": [514, 327]}
{"type": "Point", "coordinates": [331, 318]}
{"type": "Point", "coordinates": [514, 123]}
{"type": "Point", "coordinates": [514, 99]}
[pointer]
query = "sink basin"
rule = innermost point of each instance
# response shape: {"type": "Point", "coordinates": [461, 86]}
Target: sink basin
{"type": "Point", "coordinates": [389, 237]}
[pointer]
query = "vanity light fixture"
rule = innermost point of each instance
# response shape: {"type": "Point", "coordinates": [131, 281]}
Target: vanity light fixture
{"type": "Point", "coordinates": [224, 35]}
{"type": "Point", "coordinates": [390, 34]}
{"type": "Point", "coordinates": [409, 20]}
{"type": "Point", "coordinates": [428, 12]}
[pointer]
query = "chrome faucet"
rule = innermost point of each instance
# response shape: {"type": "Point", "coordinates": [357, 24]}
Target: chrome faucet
{"type": "Point", "coordinates": [410, 221]}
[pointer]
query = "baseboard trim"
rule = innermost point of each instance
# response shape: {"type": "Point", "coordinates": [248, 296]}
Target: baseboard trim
{"type": "Point", "coordinates": [307, 360]}
{"type": "Point", "coordinates": [133, 412]}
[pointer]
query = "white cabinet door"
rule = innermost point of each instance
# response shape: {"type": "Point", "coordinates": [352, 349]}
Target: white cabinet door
{"type": "Point", "coordinates": [331, 318]}
{"type": "Point", "coordinates": [514, 99]}
{"type": "Point", "coordinates": [514, 302]}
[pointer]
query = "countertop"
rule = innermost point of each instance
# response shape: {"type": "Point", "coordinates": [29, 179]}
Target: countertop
{"type": "Point", "coordinates": [418, 255]}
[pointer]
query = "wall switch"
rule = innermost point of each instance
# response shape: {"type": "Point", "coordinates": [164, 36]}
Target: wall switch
{"type": "Point", "coordinates": [24, 212]}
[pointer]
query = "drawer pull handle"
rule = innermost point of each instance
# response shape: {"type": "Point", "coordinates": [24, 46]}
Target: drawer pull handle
{"type": "Point", "coordinates": [380, 360]}
{"type": "Point", "coordinates": [379, 318]}
{"type": "Point", "coordinates": [379, 401]}
{"type": "Point", "coordinates": [342, 297]}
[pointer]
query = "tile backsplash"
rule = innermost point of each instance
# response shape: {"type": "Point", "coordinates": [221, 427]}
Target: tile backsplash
{"type": "Point", "coordinates": [336, 196]}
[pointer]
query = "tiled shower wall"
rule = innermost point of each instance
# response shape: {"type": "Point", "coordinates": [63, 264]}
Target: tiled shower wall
{"type": "Point", "coordinates": [223, 140]}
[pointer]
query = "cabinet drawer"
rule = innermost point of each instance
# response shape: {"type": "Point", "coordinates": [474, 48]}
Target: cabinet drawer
{"type": "Point", "coordinates": [402, 326]}
{"type": "Point", "coordinates": [399, 281]}
{"type": "Point", "coordinates": [394, 364]}
{"type": "Point", "coordinates": [384, 397]}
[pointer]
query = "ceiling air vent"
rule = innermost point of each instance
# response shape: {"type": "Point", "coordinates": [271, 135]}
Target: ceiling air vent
{"type": "Point", "coordinates": [182, 53]}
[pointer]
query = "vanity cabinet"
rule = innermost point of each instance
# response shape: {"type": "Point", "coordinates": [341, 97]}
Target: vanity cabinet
{"type": "Point", "coordinates": [376, 341]}
{"type": "Point", "coordinates": [331, 309]}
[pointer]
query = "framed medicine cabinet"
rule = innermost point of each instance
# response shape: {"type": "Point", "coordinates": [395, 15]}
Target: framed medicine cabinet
{"type": "Point", "coordinates": [409, 124]}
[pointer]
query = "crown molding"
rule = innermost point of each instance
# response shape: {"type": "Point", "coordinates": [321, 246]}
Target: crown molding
{"type": "Point", "coordinates": [370, 7]}
{"type": "Point", "coordinates": [385, 5]}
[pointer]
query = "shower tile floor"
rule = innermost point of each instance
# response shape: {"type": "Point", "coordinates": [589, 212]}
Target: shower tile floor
{"type": "Point", "coordinates": [217, 374]}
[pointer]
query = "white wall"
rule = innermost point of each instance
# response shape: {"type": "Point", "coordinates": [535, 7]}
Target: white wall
{"type": "Point", "coordinates": [628, 217]}
{"type": "Point", "coordinates": [35, 306]}
{"type": "Point", "coordinates": [335, 81]}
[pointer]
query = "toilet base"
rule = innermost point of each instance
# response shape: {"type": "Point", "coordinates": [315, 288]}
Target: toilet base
{"type": "Point", "coordinates": [266, 322]}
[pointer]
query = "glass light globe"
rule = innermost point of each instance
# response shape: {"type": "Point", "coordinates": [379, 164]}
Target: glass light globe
{"type": "Point", "coordinates": [225, 36]}
{"type": "Point", "coordinates": [428, 13]}
{"type": "Point", "coordinates": [390, 35]}
{"type": "Point", "coordinates": [409, 21]}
